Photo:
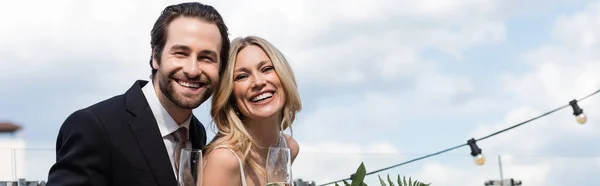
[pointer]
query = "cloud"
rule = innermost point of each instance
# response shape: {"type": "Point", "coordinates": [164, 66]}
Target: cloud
{"type": "Point", "coordinates": [392, 109]}
{"type": "Point", "coordinates": [445, 174]}
{"type": "Point", "coordinates": [536, 153]}
{"type": "Point", "coordinates": [559, 72]}
{"type": "Point", "coordinates": [316, 159]}
{"type": "Point", "coordinates": [360, 42]}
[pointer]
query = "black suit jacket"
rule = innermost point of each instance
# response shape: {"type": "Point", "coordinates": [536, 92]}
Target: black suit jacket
{"type": "Point", "coordinates": [116, 142]}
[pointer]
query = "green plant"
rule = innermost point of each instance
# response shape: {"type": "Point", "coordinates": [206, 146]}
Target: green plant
{"type": "Point", "coordinates": [361, 172]}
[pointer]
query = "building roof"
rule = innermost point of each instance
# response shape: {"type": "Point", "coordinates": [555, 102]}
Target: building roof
{"type": "Point", "coordinates": [9, 127]}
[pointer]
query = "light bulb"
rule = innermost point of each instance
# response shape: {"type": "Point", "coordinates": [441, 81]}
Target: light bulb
{"type": "Point", "coordinates": [479, 159]}
{"type": "Point", "coordinates": [581, 118]}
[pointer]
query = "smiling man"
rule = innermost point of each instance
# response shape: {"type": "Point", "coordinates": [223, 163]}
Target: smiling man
{"type": "Point", "coordinates": [134, 138]}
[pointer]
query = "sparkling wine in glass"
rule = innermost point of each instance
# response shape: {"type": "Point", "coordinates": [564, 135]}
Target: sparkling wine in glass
{"type": "Point", "coordinates": [279, 167]}
{"type": "Point", "coordinates": [190, 167]}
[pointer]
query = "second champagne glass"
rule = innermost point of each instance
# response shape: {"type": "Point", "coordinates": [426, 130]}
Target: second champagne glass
{"type": "Point", "coordinates": [279, 167]}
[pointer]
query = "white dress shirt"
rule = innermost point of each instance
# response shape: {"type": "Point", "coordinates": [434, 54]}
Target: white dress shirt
{"type": "Point", "coordinates": [166, 123]}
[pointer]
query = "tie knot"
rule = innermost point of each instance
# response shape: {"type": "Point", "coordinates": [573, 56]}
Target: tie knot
{"type": "Point", "coordinates": [181, 134]}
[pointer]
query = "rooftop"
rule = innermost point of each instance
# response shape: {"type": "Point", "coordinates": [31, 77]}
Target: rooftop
{"type": "Point", "coordinates": [8, 127]}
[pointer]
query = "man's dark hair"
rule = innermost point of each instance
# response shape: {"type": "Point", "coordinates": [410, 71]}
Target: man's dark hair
{"type": "Point", "coordinates": [191, 9]}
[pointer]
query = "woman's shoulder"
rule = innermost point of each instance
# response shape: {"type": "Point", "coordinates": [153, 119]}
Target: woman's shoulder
{"type": "Point", "coordinates": [221, 165]}
{"type": "Point", "coordinates": [292, 144]}
{"type": "Point", "coordinates": [224, 157]}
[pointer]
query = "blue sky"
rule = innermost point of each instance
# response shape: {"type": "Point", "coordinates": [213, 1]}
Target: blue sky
{"type": "Point", "coordinates": [381, 81]}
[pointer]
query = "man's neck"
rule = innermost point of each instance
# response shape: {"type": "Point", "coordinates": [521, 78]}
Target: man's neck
{"type": "Point", "coordinates": [177, 113]}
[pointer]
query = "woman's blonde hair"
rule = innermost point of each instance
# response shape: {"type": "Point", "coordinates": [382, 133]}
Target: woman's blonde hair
{"type": "Point", "coordinates": [232, 132]}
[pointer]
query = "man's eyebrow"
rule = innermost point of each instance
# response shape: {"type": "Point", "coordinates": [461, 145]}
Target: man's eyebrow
{"type": "Point", "coordinates": [209, 53]}
{"type": "Point", "coordinates": [180, 47]}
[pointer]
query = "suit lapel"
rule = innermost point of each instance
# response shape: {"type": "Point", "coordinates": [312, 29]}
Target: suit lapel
{"type": "Point", "coordinates": [148, 136]}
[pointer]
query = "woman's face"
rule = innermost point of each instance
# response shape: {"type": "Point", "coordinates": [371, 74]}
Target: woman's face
{"type": "Point", "coordinates": [256, 87]}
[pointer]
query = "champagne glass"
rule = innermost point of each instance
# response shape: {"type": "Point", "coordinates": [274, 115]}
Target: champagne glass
{"type": "Point", "coordinates": [190, 167]}
{"type": "Point", "coordinates": [279, 167]}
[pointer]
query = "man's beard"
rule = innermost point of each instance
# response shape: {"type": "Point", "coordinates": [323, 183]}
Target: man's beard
{"type": "Point", "coordinates": [166, 84]}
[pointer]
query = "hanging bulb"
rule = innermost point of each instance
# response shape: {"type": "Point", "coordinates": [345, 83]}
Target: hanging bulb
{"type": "Point", "coordinates": [580, 117]}
{"type": "Point", "coordinates": [476, 152]}
{"type": "Point", "coordinates": [479, 159]}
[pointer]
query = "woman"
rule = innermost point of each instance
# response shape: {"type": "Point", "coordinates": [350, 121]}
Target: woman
{"type": "Point", "coordinates": [256, 99]}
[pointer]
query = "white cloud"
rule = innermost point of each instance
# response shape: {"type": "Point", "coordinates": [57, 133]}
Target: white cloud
{"type": "Point", "coordinates": [369, 112]}
{"type": "Point", "coordinates": [560, 72]}
{"type": "Point", "coordinates": [518, 140]}
{"type": "Point", "coordinates": [86, 34]}
{"type": "Point", "coordinates": [69, 36]}
{"type": "Point", "coordinates": [446, 174]}
{"type": "Point", "coordinates": [580, 29]}
{"type": "Point", "coordinates": [330, 160]}
{"type": "Point", "coordinates": [340, 42]}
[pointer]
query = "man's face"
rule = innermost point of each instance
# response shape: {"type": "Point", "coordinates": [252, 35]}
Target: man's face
{"type": "Point", "coordinates": [189, 67]}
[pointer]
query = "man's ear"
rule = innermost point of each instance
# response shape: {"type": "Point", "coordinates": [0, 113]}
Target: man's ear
{"type": "Point", "coordinates": [155, 64]}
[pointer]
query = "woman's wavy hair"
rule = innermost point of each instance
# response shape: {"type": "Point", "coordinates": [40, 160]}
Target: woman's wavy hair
{"type": "Point", "coordinates": [232, 132]}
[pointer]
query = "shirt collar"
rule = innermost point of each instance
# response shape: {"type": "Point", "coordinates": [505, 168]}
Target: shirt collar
{"type": "Point", "coordinates": [166, 123]}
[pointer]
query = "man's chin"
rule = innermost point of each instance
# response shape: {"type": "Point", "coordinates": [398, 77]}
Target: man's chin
{"type": "Point", "coordinates": [188, 103]}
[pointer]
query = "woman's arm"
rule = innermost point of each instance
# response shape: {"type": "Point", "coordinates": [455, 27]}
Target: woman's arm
{"type": "Point", "coordinates": [222, 169]}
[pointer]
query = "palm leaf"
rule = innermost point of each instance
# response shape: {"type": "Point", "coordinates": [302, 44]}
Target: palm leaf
{"type": "Point", "coordinates": [390, 180]}
{"type": "Point", "coordinates": [381, 181]}
{"type": "Point", "coordinates": [359, 176]}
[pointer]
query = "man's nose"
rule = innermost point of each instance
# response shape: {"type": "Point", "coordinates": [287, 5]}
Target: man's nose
{"type": "Point", "coordinates": [190, 68]}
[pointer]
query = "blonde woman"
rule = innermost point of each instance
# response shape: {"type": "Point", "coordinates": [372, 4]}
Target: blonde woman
{"type": "Point", "coordinates": [256, 99]}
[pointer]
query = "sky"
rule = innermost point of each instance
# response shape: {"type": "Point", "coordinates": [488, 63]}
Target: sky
{"type": "Point", "coordinates": [381, 81]}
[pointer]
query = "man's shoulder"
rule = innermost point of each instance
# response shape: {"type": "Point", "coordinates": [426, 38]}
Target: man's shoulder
{"type": "Point", "coordinates": [95, 111]}
{"type": "Point", "coordinates": [117, 102]}
{"type": "Point", "coordinates": [109, 104]}
{"type": "Point", "coordinates": [105, 111]}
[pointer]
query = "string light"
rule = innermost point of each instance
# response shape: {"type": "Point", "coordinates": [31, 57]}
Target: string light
{"type": "Point", "coordinates": [580, 117]}
{"type": "Point", "coordinates": [476, 152]}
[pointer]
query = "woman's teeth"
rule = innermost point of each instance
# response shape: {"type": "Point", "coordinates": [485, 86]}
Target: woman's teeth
{"type": "Point", "coordinates": [262, 96]}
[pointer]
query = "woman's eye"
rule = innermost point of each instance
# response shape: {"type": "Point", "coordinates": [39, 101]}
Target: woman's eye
{"type": "Point", "coordinates": [241, 76]}
{"type": "Point", "coordinates": [268, 68]}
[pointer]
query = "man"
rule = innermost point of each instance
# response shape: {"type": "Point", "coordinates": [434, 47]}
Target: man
{"type": "Point", "coordinates": [134, 138]}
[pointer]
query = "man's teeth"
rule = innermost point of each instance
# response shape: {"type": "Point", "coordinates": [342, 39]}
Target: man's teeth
{"type": "Point", "coordinates": [188, 84]}
{"type": "Point", "coordinates": [262, 96]}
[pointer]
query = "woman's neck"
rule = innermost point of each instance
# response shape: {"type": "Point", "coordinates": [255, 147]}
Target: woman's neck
{"type": "Point", "coordinates": [265, 131]}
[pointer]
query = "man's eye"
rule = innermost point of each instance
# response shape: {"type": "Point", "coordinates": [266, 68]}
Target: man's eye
{"type": "Point", "coordinates": [205, 58]}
